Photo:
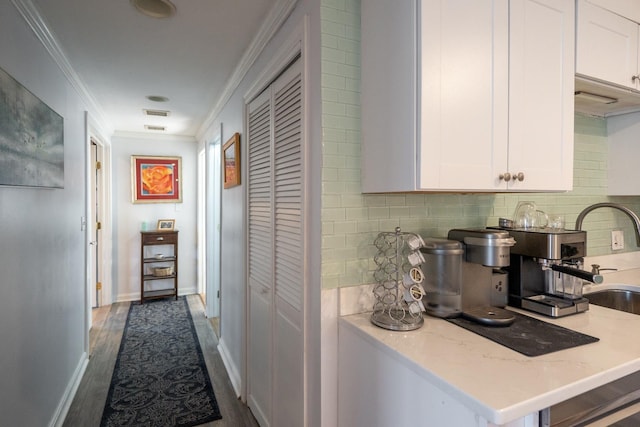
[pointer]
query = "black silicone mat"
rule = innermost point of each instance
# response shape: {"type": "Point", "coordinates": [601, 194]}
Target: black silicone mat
{"type": "Point", "coordinates": [529, 336]}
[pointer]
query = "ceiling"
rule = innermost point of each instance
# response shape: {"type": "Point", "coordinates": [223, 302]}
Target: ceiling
{"type": "Point", "coordinates": [122, 56]}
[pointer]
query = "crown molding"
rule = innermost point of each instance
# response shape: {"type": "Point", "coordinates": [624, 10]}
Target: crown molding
{"type": "Point", "coordinates": [277, 16]}
{"type": "Point", "coordinates": [35, 21]}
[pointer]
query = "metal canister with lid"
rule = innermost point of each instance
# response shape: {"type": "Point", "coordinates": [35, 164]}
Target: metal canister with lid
{"type": "Point", "coordinates": [443, 277]}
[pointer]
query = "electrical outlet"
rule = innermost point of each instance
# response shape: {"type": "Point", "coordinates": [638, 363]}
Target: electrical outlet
{"type": "Point", "coordinates": [617, 240]}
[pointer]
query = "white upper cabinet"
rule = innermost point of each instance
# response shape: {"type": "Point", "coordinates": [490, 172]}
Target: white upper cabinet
{"type": "Point", "coordinates": [541, 94]}
{"type": "Point", "coordinates": [624, 151]}
{"type": "Point", "coordinates": [607, 48]}
{"type": "Point", "coordinates": [462, 95]}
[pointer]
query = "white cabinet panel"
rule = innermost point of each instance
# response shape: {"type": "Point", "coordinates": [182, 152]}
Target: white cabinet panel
{"type": "Point", "coordinates": [389, 95]}
{"type": "Point", "coordinates": [624, 152]}
{"type": "Point", "coordinates": [607, 47]}
{"type": "Point", "coordinates": [464, 94]}
{"type": "Point", "coordinates": [541, 87]}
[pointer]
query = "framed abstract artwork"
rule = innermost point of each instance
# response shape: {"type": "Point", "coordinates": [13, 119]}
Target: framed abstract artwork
{"type": "Point", "coordinates": [31, 138]}
{"type": "Point", "coordinates": [231, 161]}
{"type": "Point", "coordinates": [156, 179]}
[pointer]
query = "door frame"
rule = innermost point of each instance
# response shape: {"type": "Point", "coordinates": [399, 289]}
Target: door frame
{"type": "Point", "coordinates": [294, 47]}
{"type": "Point", "coordinates": [93, 133]}
{"type": "Point", "coordinates": [214, 227]}
{"type": "Point", "coordinates": [209, 209]}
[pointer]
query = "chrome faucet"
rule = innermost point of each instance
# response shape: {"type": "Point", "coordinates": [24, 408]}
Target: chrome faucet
{"type": "Point", "coordinates": [629, 212]}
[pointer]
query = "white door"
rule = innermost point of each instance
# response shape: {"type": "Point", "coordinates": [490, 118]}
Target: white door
{"type": "Point", "coordinates": [607, 47]}
{"type": "Point", "coordinates": [260, 258]}
{"type": "Point", "coordinates": [541, 94]}
{"type": "Point", "coordinates": [201, 277]}
{"type": "Point", "coordinates": [95, 224]}
{"type": "Point", "coordinates": [276, 253]}
{"type": "Point", "coordinates": [213, 229]}
{"type": "Point", "coordinates": [208, 271]}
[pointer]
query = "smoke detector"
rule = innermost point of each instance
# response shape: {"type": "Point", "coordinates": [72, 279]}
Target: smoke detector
{"type": "Point", "coordinates": [155, 8]}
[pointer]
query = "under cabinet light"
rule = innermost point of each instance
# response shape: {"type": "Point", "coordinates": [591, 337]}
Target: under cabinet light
{"type": "Point", "coordinates": [595, 98]}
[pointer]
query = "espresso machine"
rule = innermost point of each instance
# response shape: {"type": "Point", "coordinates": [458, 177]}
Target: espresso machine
{"type": "Point", "coordinates": [545, 271]}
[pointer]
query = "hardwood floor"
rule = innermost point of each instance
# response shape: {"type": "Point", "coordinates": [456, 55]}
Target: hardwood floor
{"type": "Point", "coordinates": [106, 332]}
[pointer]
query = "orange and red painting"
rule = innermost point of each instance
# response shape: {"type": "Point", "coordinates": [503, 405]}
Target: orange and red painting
{"type": "Point", "coordinates": [156, 179]}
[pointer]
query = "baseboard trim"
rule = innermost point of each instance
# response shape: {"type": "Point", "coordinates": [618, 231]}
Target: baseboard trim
{"type": "Point", "coordinates": [232, 370]}
{"type": "Point", "coordinates": [135, 296]}
{"type": "Point", "coordinates": [70, 392]}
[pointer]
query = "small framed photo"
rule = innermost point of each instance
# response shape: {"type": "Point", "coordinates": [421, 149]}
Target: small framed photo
{"type": "Point", "coordinates": [156, 179]}
{"type": "Point", "coordinates": [231, 161]}
{"type": "Point", "coordinates": [166, 224]}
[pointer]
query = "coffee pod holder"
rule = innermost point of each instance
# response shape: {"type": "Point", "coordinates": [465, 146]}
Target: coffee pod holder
{"type": "Point", "coordinates": [398, 290]}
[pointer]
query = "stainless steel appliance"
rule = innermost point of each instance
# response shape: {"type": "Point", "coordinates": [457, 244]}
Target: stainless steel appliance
{"type": "Point", "coordinates": [545, 272]}
{"type": "Point", "coordinates": [613, 404]}
{"type": "Point", "coordinates": [443, 277]}
{"type": "Point", "coordinates": [484, 288]}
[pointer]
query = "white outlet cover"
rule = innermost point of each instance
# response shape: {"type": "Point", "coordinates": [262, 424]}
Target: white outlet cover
{"type": "Point", "coordinates": [617, 240]}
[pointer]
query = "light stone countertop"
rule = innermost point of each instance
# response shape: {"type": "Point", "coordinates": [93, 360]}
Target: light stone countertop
{"type": "Point", "coordinates": [500, 384]}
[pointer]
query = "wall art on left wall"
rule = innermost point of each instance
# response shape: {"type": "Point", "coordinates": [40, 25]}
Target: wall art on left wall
{"type": "Point", "coordinates": [31, 138]}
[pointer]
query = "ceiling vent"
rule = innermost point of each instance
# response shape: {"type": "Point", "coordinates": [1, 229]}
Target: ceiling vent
{"type": "Point", "coordinates": [152, 127]}
{"type": "Point", "coordinates": [157, 113]}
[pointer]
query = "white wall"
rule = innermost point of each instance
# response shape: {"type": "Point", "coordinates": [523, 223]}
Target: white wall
{"type": "Point", "coordinates": [233, 283]}
{"type": "Point", "coordinates": [42, 251]}
{"type": "Point", "coordinates": [129, 216]}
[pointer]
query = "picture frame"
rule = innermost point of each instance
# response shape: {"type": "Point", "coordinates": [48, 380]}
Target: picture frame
{"type": "Point", "coordinates": [166, 224]}
{"type": "Point", "coordinates": [31, 138]}
{"type": "Point", "coordinates": [231, 161]}
{"type": "Point", "coordinates": [156, 179]}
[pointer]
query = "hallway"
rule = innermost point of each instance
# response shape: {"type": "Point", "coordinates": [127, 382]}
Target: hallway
{"type": "Point", "coordinates": [108, 324]}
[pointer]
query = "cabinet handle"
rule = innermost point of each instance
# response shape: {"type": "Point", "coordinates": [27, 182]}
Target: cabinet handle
{"type": "Point", "coordinates": [505, 176]}
{"type": "Point", "coordinates": [634, 78]}
{"type": "Point", "coordinates": [519, 177]}
{"type": "Point", "coordinates": [160, 238]}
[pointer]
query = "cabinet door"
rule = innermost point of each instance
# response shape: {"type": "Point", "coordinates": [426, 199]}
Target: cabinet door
{"type": "Point", "coordinates": [464, 94]}
{"type": "Point", "coordinates": [607, 47]}
{"type": "Point", "coordinates": [541, 82]}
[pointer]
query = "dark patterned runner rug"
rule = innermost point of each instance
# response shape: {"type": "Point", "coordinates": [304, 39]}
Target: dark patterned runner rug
{"type": "Point", "coordinates": [160, 377]}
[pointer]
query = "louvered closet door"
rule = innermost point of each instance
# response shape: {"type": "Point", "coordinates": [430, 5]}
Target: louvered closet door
{"type": "Point", "coordinates": [289, 250]}
{"type": "Point", "coordinates": [260, 257]}
{"type": "Point", "coordinates": [276, 233]}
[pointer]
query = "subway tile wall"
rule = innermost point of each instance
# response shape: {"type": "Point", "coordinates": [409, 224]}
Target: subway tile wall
{"type": "Point", "coordinates": [351, 220]}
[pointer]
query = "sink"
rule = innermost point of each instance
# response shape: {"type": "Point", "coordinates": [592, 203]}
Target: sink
{"type": "Point", "coordinates": [618, 299]}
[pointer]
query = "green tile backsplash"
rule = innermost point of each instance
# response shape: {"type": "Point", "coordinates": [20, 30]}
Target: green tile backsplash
{"type": "Point", "coordinates": [351, 220]}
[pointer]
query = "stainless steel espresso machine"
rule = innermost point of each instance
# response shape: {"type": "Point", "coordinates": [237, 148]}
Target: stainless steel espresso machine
{"type": "Point", "coordinates": [545, 272]}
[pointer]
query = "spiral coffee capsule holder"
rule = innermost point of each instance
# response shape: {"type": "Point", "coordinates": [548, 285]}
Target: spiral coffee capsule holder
{"type": "Point", "coordinates": [398, 290]}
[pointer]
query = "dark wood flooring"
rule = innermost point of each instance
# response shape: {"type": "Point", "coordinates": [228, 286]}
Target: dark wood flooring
{"type": "Point", "coordinates": [106, 332]}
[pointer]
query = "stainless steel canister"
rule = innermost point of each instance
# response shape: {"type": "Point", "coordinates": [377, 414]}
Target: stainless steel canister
{"type": "Point", "coordinates": [443, 277]}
